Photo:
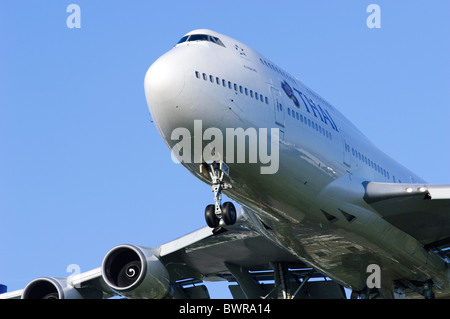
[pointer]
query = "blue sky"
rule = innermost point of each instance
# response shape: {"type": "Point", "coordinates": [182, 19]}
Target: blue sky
{"type": "Point", "coordinates": [83, 168]}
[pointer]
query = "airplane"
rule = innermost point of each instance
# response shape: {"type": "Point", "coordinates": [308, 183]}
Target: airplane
{"type": "Point", "coordinates": [320, 207]}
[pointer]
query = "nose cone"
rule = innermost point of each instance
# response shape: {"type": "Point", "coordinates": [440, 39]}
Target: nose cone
{"type": "Point", "coordinates": [164, 84]}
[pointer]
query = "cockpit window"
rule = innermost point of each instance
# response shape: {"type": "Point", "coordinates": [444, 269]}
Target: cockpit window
{"type": "Point", "coordinates": [201, 37]}
{"type": "Point", "coordinates": [183, 39]}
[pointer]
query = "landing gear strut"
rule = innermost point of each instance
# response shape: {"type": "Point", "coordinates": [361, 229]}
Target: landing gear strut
{"type": "Point", "coordinates": [216, 212]}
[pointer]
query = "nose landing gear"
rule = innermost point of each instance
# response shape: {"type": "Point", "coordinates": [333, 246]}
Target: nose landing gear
{"type": "Point", "coordinates": [216, 212]}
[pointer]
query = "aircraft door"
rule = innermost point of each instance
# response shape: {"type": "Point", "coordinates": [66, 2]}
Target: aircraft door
{"type": "Point", "coordinates": [279, 107]}
{"type": "Point", "coordinates": [347, 151]}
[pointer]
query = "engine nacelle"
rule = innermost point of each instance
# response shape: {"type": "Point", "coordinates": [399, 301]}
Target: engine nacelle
{"type": "Point", "coordinates": [50, 288]}
{"type": "Point", "coordinates": [135, 272]}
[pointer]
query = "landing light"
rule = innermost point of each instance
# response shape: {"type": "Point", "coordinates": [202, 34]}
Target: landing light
{"type": "Point", "coordinates": [422, 189]}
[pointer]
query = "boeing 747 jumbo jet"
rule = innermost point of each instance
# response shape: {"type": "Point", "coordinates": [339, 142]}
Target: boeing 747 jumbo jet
{"type": "Point", "coordinates": [320, 207]}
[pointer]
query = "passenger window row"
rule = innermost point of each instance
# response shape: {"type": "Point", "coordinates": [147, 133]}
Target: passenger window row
{"type": "Point", "coordinates": [278, 70]}
{"type": "Point", "coordinates": [310, 123]}
{"type": "Point", "coordinates": [232, 86]}
{"type": "Point", "coordinates": [365, 160]}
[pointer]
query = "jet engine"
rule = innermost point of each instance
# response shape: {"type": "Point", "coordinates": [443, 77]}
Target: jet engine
{"type": "Point", "coordinates": [135, 272]}
{"type": "Point", "coordinates": [50, 288]}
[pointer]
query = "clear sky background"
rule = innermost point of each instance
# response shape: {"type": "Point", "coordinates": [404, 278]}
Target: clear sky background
{"type": "Point", "coordinates": [82, 166]}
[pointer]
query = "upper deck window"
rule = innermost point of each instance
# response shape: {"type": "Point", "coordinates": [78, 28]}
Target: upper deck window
{"type": "Point", "coordinates": [201, 37]}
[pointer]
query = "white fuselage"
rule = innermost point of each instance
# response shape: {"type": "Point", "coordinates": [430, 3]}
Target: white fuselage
{"type": "Point", "coordinates": [308, 203]}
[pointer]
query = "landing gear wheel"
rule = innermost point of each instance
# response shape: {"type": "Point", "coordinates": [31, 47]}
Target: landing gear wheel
{"type": "Point", "coordinates": [214, 213]}
{"type": "Point", "coordinates": [210, 215]}
{"type": "Point", "coordinates": [229, 213]}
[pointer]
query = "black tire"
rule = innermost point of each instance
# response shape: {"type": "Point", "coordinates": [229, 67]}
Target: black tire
{"type": "Point", "coordinates": [210, 216]}
{"type": "Point", "coordinates": [229, 214]}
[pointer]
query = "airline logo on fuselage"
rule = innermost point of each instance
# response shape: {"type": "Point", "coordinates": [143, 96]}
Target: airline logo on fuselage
{"type": "Point", "coordinates": [311, 107]}
{"type": "Point", "coordinates": [287, 89]}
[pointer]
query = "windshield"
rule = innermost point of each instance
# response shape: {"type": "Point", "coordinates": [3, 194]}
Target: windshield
{"type": "Point", "coordinates": [201, 37]}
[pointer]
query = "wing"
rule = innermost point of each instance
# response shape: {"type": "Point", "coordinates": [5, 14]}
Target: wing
{"type": "Point", "coordinates": [422, 211]}
{"type": "Point", "coordinates": [243, 247]}
{"type": "Point", "coordinates": [174, 269]}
